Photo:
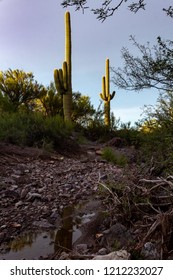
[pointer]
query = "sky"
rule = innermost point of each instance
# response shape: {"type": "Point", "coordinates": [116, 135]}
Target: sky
{"type": "Point", "coordinates": [32, 39]}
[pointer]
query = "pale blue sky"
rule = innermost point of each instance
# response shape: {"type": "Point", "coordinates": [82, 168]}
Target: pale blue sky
{"type": "Point", "coordinates": [32, 39]}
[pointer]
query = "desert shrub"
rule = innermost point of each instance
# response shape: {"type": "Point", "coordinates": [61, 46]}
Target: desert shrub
{"type": "Point", "coordinates": [110, 155]}
{"type": "Point", "coordinates": [156, 134]}
{"type": "Point", "coordinates": [156, 152]}
{"type": "Point", "coordinates": [97, 131]}
{"type": "Point", "coordinates": [12, 128]}
{"type": "Point", "coordinates": [5, 104]}
{"type": "Point", "coordinates": [130, 135]}
{"type": "Point", "coordinates": [57, 130]}
{"type": "Point", "coordinates": [33, 129]}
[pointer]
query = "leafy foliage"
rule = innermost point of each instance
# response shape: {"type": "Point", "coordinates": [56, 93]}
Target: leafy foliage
{"type": "Point", "coordinates": [156, 134]}
{"type": "Point", "coordinates": [33, 129]}
{"type": "Point", "coordinates": [83, 111]}
{"type": "Point", "coordinates": [5, 104]}
{"type": "Point", "coordinates": [51, 101]}
{"type": "Point", "coordinates": [19, 87]}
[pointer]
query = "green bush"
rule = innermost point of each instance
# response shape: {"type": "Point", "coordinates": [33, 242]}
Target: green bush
{"type": "Point", "coordinates": [156, 152]}
{"type": "Point", "coordinates": [98, 132]}
{"type": "Point", "coordinates": [33, 129]}
{"type": "Point", "coordinates": [12, 128]}
{"type": "Point", "coordinates": [112, 156]}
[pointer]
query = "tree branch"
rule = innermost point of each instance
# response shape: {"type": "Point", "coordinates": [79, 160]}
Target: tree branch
{"type": "Point", "coordinates": [154, 69]}
{"type": "Point", "coordinates": [109, 7]}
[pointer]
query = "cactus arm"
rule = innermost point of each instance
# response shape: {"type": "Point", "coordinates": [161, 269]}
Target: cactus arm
{"type": "Point", "coordinates": [58, 82]}
{"type": "Point", "coordinates": [60, 71]}
{"type": "Point", "coordinates": [104, 87]}
{"type": "Point", "coordinates": [65, 75]}
{"type": "Point", "coordinates": [101, 96]}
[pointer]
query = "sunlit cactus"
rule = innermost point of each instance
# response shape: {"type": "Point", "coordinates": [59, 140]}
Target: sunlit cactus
{"type": "Point", "coordinates": [63, 77]}
{"type": "Point", "coordinates": [105, 95]}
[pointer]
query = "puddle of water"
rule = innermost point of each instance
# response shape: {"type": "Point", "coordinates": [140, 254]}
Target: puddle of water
{"type": "Point", "coordinates": [33, 245]}
{"type": "Point", "coordinates": [30, 246]}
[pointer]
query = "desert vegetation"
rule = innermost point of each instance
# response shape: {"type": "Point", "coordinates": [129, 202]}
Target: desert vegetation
{"type": "Point", "coordinates": [59, 121]}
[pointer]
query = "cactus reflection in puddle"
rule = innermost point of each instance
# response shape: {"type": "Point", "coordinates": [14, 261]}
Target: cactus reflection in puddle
{"type": "Point", "coordinates": [33, 245]}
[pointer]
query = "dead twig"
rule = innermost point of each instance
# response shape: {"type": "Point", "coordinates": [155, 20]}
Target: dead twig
{"type": "Point", "coordinates": [115, 197]}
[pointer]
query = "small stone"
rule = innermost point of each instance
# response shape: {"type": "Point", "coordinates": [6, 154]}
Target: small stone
{"type": "Point", "coordinates": [54, 215]}
{"type": "Point", "coordinates": [99, 152]}
{"type": "Point", "coordinates": [14, 187]}
{"type": "Point", "coordinates": [41, 190]}
{"type": "Point", "coordinates": [19, 203]}
{"type": "Point", "coordinates": [3, 226]}
{"type": "Point", "coordinates": [117, 234]}
{"type": "Point", "coordinates": [44, 208]}
{"type": "Point", "coordinates": [64, 256]}
{"type": "Point", "coordinates": [117, 255]}
{"type": "Point", "coordinates": [16, 225]}
{"type": "Point", "coordinates": [33, 196]}
{"type": "Point", "coordinates": [24, 192]}
{"type": "Point", "coordinates": [102, 251]}
{"type": "Point", "coordinates": [15, 176]}
{"type": "Point", "coordinates": [26, 171]}
{"type": "Point", "coordinates": [149, 251]}
{"type": "Point", "coordinates": [82, 248]}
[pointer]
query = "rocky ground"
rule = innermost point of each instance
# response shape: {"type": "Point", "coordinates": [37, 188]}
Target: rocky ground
{"type": "Point", "coordinates": [36, 187]}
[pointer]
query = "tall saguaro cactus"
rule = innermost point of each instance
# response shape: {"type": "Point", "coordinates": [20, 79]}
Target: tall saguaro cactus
{"type": "Point", "coordinates": [105, 95]}
{"type": "Point", "coordinates": [63, 77]}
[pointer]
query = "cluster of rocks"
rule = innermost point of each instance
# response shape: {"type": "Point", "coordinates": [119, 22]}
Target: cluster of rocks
{"type": "Point", "coordinates": [34, 190]}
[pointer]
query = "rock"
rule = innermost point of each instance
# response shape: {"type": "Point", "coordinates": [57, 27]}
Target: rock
{"type": "Point", "coordinates": [115, 142]}
{"type": "Point", "coordinates": [149, 251]}
{"type": "Point", "coordinates": [117, 255]}
{"type": "Point", "coordinates": [82, 248]}
{"type": "Point", "coordinates": [104, 177]}
{"type": "Point", "coordinates": [64, 256]}
{"type": "Point", "coordinates": [26, 171]}
{"type": "Point", "coordinates": [23, 193]}
{"type": "Point", "coordinates": [19, 203]}
{"type": "Point", "coordinates": [43, 224]}
{"type": "Point", "coordinates": [41, 190]}
{"type": "Point", "coordinates": [16, 225]}
{"type": "Point", "coordinates": [33, 196]}
{"type": "Point", "coordinates": [117, 236]}
{"type": "Point", "coordinates": [99, 152]}
{"type": "Point", "coordinates": [14, 187]}
{"type": "Point", "coordinates": [9, 181]}
{"type": "Point", "coordinates": [3, 226]}
{"type": "Point", "coordinates": [54, 215]}
{"type": "Point", "coordinates": [102, 251]}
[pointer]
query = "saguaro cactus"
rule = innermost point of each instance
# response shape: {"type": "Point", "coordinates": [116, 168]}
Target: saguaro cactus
{"type": "Point", "coordinates": [105, 95]}
{"type": "Point", "coordinates": [63, 77]}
